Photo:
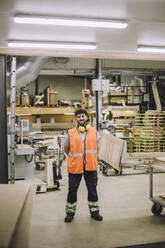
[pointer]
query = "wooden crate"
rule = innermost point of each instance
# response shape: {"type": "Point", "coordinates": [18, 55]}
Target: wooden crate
{"type": "Point", "coordinates": [51, 98]}
{"type": "Point", "coordinates": [85, 98]}
{"type": "Point", "coordinates": [25, 100]}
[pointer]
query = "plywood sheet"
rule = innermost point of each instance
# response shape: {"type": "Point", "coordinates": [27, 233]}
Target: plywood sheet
{"type": "Point", "coordinates": [20, 238]}
{"type": "Point", "coordinates": [15, 208]}
{"type": "Point", "coordinates": [111, 149]}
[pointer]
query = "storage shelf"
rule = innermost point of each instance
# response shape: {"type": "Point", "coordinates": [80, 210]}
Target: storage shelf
{"type": "Point", "coordinates": [44, 110]}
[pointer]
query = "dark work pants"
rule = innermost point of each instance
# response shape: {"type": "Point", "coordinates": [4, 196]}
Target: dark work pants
{"type": "Point", "coordinates": [90, 178]}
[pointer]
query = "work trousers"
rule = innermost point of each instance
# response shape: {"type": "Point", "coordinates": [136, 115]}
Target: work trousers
{"type": "Point", "coordinates": [91, 180]}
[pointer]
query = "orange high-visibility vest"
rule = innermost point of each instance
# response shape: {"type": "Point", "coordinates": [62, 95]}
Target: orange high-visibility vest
{"type": "Point", "coordinates": [75, 155]}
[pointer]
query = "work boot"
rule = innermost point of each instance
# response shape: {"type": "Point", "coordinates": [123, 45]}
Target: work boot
{"type": "Point", "coordinates": [68, 218]}
{"type": "Point", "coordinates": [97, 217]}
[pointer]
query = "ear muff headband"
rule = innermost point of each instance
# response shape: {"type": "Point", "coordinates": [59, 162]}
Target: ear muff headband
{"type": "Point", "coordinates": [87, 126]}
{"type": "Point", "coordinates": [83, 129]}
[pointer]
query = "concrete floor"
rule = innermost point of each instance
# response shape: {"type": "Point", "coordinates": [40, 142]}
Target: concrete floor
{"type": "Point", "coordinates": [125, 206]}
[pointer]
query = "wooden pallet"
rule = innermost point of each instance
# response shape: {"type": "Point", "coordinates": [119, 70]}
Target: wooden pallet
{"type": "Point", "coordinates": [148, 134]}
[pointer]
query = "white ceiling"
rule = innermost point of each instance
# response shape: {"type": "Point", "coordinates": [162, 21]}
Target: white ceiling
{"type": "Point", "coordinates": [146, 26]}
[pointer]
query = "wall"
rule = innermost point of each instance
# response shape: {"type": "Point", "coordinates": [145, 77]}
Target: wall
{"type": "Point", "coordinates": [69, 87]}
{"type": "Point", "coordinates": [138, 64]}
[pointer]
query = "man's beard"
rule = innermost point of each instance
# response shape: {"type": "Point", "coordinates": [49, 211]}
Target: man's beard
{"type": "Point", "coordinates": [81, 124]}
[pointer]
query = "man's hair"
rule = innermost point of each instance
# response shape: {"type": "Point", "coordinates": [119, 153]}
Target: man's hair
{"type": "Point", "coordinates": [81, 111]}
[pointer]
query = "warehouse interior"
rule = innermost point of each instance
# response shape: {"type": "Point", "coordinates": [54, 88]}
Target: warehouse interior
{"type": "Point", "coordinates": [117, 74]}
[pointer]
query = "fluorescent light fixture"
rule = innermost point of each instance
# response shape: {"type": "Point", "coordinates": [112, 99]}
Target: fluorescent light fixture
{"type": "Point", "coordinates": [151, 49]}
{"type": "Point", "coordinates": [52, 45]}
{"type": "Point", "coordinates": [68, 21]}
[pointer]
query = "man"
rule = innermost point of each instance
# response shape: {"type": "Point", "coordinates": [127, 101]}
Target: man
{"type": "Point", "coordinates": [81, 146]}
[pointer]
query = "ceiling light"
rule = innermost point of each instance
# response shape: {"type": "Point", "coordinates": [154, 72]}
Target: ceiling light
{"type": "Point", "coordinates": [67, 21]}
{"type": "Point", "coordinates": [151, 49]}
{"type": "Point", "coordinates": [52, 45]}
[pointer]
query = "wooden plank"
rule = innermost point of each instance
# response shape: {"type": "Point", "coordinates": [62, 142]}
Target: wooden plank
{"type": "Point", "coordinates": [160, 159]}
{"type": "Point", "coordinates": [158, 167]}
{"type": "Point", "coordinates": [146, 154]}
{"type": "Point", "coordinates": [15, 214]}
{"type": "Point", "coordinates": [44, 110]}
{"type": "Point", "coordinates": [111, 149]}
{"type": "Point", "coordinates": [56, 126]}
{"type": "Point", "coordinates": [22, 231]}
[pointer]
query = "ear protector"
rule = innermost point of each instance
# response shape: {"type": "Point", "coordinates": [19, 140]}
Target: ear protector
{"type": "Point", "coordinates": [83, 129]}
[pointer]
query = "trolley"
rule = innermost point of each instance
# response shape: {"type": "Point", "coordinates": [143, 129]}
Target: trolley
{"type": "Point", "coordinates": [156, 161]}
{"type": "Point", "coordinates": [158, 201]}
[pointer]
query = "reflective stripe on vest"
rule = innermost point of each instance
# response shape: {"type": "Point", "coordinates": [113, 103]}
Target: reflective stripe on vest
{"type": "Point", "coordinates": [75, 154]}
{"type": "Point", "coordinates": [90, 151]}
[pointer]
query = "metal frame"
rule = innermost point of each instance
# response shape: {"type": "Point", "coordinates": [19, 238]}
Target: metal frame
{"type": "Point", "coordinates": [151, 181]}
{"type": "Point", "coordinates": [3, 123]}
{"type": "Point", "coordinates": [12, 125]}
{"type": "Point", "coordinates": [158, 201]}
{"type": "Point", "coordinates": [36, 86]}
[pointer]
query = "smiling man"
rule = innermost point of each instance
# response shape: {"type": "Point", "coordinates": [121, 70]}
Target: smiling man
{"type": "Point", "coordinates": [81, 146]}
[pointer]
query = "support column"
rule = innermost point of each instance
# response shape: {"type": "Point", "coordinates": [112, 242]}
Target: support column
{"type": "Point", "coordinates": [98, 96]}
{"type": "Point", "coordinates": [12, 122]}
{"type": "Point", "coordinates": [156, 93]}
{"type": "Point", "coordinates": [36, 86]}
{"type": "Point", "coordinates": [3, 123]}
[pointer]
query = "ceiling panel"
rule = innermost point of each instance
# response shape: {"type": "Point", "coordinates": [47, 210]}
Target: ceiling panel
{"type": "Point", "coordinates": [146, 26]}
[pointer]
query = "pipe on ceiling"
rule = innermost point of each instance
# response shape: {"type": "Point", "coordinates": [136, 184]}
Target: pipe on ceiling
{"type": "Point", "coordinates": [28, 72]}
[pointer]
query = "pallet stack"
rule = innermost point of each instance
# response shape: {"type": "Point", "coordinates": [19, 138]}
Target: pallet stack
{"type": "Point", "coordinates": [148, 134]}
